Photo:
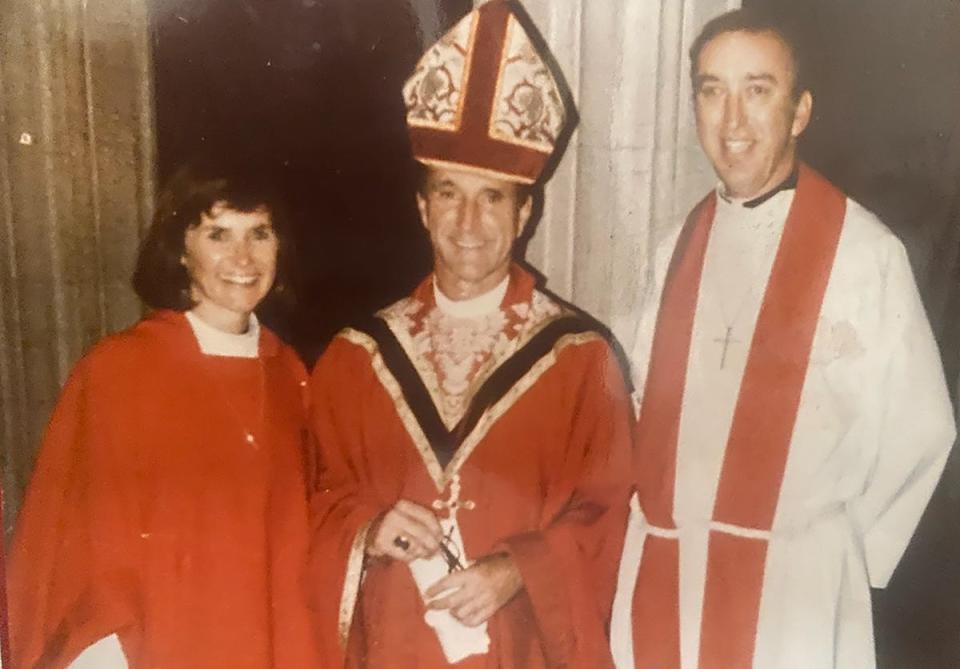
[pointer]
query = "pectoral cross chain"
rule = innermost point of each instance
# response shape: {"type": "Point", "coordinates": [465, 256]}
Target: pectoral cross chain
{"type": "Point", "coordinates": [726, 341]}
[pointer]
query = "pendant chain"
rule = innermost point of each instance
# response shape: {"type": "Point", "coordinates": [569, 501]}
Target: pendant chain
{"type": "Point", "coordinates": [761, 244]}
{"type": "Point", "coordinates": [249, 434]}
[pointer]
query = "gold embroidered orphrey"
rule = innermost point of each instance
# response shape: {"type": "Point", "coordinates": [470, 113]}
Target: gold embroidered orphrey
{"type": "Point", "coordinates": [442, 370]}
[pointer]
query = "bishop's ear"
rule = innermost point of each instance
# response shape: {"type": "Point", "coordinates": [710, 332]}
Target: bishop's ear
{"type": "Point", "coordinates": [524, 212]}
{"type": "Point", "coordinates": [422, 208]}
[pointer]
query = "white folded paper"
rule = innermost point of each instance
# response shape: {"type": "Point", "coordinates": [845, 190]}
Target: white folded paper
{"type": "Point", "coordinates": [104, 654]}
{"type": "Point", "coordinates": [457, 640]}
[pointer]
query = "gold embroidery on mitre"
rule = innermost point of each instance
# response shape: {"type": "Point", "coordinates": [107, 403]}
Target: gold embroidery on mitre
{"type": "Point", "coordinates": [464, 167]}
{"type": "Point", "coordinates": [434, 93]}
{"type": "Point", "coordinates": [528, 109]}
{"type": "Point", "coordinates": [351, 583]}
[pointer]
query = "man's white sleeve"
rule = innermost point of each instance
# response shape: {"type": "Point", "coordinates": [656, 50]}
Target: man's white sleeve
{"type": "Point", "coordinates": [916, 429]}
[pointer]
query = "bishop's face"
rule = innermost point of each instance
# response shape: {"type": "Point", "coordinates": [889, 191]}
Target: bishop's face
{"type": "Point", "coordinates": [473, 221]}
{"type": "Point", "coordinates": [748, 118]}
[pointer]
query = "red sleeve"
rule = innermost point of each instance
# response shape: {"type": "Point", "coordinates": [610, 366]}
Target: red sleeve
{"type": "Point", "coordinates": [341, 506]}
{"type": "Point", "coordinates": [569, 567]}
{"type": "Point", "coordinates": [292, 620]}
{"type": "Point", "coordinates": [73, 575]}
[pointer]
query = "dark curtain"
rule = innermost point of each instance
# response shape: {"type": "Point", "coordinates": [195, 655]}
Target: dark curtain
{"type": "Point", "coordinates": [310, 89]}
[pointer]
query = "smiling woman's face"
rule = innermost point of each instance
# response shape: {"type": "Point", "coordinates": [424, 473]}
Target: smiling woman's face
{"type": "Point", "coordinates": [231, 257]}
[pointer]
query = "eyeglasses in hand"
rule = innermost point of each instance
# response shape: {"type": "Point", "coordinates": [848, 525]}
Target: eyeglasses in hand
{"type": "Point", "coordinates": [450, 552]}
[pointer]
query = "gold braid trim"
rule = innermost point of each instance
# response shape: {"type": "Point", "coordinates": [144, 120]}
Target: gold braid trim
{"type": "Point", "coordinates": [439, 476]}
{"type": "Point", "coordinates": [351, 583]}
{"type": "Point", "coordinates": [463, 167]}
{"type": "Point", "coordinates": [494, 413]}
{"type": "Point", "coordinates": [485, 372]}
{"type": "Point", "coordinates": [404, 412]}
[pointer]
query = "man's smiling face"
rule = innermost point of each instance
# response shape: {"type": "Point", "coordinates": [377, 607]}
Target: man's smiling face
{"type": "Point", "coordinates": [748, 117]}
{"type": "Point", "coordinates": [473, 221]}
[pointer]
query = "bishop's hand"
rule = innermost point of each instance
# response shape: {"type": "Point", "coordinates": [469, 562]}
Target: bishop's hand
{"type": "Point", "coordinates": [476, 593]}
{"type": "Point", "coordinates": [406, 532]}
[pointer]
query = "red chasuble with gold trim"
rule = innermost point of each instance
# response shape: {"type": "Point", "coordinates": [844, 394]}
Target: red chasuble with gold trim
{"type": "Point", "coordinates": [523, 416]}
{"type": "Point", "coordinates": [759, 441]}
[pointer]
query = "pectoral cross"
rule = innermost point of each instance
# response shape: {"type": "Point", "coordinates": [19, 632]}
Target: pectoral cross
{"type": "Point", "coordinates": [726, 341]}
{"type": "Point", "coordinates": [453, 503]}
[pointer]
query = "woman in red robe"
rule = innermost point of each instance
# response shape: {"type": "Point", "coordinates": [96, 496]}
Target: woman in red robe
{"type": "Point", "coordinates": [167, 508]}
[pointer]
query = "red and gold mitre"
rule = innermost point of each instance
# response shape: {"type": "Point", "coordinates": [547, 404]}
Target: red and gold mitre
{"type": "Point", "coordinates": [483, 99]}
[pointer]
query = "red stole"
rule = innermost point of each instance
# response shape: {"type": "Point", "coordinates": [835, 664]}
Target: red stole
{"type": "Point", "coordinates": [760, 435]}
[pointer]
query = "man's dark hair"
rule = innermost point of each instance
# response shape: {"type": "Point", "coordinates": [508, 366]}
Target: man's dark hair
{"type": "Point", "coordinates": [160, 278]}
{"type": "Point", "coordinates": [751, 21]}
{"type": "Point", "coordinates": [524, 191]}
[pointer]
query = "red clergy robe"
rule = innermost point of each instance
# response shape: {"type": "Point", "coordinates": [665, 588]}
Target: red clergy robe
{"type": "Point", "coordinates": [152, 517]}
{"type": "Point", "coordinates": [543, 474]}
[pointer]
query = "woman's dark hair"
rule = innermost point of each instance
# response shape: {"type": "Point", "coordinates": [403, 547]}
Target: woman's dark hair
{"type": "Point", "coordinates": [160, 279]}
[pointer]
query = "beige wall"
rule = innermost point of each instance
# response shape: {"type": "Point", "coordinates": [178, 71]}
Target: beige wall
{"type": "Point", "coordinates": [76, 186]}
{"type": "Point", "coordinates": [633, 167]}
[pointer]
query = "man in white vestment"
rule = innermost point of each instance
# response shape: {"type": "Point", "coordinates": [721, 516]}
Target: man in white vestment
{"type": "Point", "coordinates": [794, 419]}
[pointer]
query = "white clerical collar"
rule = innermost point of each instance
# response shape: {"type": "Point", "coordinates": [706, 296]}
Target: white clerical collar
{"type": "Point", "coordinates": [217, 342]}
{"type": "Point", "coordinates": [481, 305]}
{"type": "Point", "coordinates": [783, 192]}
{"type": "Point", "coordinates": [736, 209]}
